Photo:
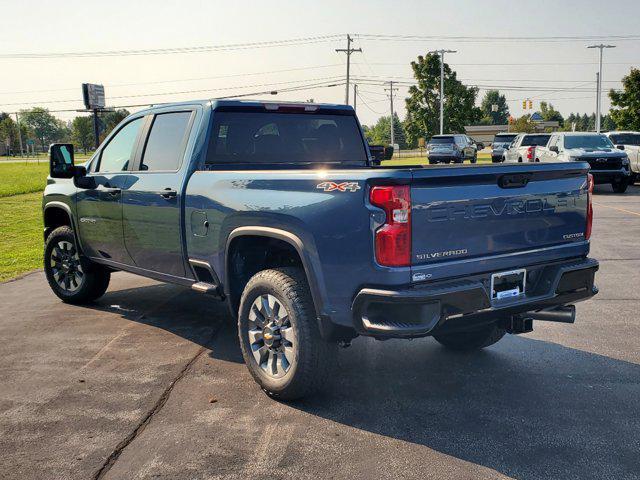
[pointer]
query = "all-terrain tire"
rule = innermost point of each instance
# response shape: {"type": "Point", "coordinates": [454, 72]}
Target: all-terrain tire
{"type": "Point", "coordinates": [472, 340]}
{"type": "Point", "coordinates": [87, 280]}
{"type": "Point", "coordinates": [311, 359]}
{"type": "Point", "coordinates": [619, 187]}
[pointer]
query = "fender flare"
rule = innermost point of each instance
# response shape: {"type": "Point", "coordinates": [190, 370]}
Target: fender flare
{"type": "Point", "coordinates": [62, 206]}
{"type": "Point", "coordinates": [312, 268]}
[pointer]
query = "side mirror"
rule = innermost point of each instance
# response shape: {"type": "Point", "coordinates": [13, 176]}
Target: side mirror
{"type": "Point", "coordinates": [620, 147]}
{"type": "Point", "coordinates": [554, 148]}
{"type": "Point", "coordinates": [81, 180]}
{"type": "Point", "coordinates": [480, 146]}
{"type": "Point", "coordinates": [61, 160]}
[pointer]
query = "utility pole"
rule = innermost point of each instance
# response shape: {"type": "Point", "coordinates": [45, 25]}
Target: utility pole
{"type": "Point", "coordinates": [601, 46]}
{"type": "Point", "coordinates": [442, 52]}
{"type": "Point", "coordinates": [19, 134]}
{"type": "Point", "coordinates": [597, 125]}
{"type": "Point", "coordinates": [348, 51]}
{"type": "Point", "coordinates": [391, 89]}
{"type": "Point", "coordinates": [355, 96]}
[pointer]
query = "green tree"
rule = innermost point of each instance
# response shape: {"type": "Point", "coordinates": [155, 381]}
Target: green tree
{"type": "Point", "coordinates": [423, 104]}
{"type": "Point", "coordinates": [380, 133]}
{"type": "Point", "coordinates": [110, 120]}
{"type": "Point", "coordinates": [626, 103]}
{"type": "Point", "coordinates": [501, 115]}
{"type": "Point", "coordinates": [9, 133]}
{"type": "Point", "coordinates": [82, 132]}
{"type": "Point", "coordinates": [524, 124]}
{"type": "Point", "coordinates": [608, 124]}
{"type": "Point", "coordinates": [550, 114]}
{"type": "Point", "coordinates": [45, 126]}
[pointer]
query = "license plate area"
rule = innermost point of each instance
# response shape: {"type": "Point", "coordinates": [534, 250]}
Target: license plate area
{"type": "Point", "coordinates": [509, 284]}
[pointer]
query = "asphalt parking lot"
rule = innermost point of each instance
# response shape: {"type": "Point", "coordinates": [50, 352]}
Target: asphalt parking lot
{"type": "Point", "coordinates": [149, 383]}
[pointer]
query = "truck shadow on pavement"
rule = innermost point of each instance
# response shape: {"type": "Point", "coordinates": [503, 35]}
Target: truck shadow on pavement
{"type": "Point", "coordinates": [526, 408]}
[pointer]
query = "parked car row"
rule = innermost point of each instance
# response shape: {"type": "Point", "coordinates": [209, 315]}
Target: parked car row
{"type": "Point", "coordinates": [614, 157]}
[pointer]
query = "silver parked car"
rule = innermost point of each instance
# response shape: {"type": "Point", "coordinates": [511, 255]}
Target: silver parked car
{"type": "Point", "coordinates": [500, 143]}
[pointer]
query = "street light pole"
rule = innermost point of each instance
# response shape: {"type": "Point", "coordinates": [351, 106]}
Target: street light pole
{"type": "Point", "coordinates": [442, 52]}
{"type": "Point", "coordinates": [601, 47]}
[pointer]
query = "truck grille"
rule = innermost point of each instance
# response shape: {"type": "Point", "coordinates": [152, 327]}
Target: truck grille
{"type": "Point", "coordinates": [604, 163]}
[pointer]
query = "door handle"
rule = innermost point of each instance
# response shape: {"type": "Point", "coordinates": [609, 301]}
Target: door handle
{"type": "Point", "coordinates": [168, 193]}
{"type": "Point", "coordinates": [114, 192]}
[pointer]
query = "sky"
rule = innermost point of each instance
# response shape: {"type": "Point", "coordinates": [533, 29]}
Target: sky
{"type": "Point", "coordinates": [560, 72]}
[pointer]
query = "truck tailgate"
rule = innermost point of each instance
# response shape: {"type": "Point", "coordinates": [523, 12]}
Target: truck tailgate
{"type": "Point", "coordinates": [471, 213]}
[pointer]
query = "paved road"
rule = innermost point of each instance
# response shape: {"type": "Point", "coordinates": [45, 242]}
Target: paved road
{"type": "Point", "coordinates": [149, 383]}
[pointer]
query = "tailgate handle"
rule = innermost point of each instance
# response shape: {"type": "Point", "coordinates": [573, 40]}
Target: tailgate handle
{"type": "Point", "coordinates": [516, 180]}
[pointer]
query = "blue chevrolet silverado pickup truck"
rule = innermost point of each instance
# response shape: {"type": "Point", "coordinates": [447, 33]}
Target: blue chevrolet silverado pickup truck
{"type": "Point", "coordinates": [277, 210]}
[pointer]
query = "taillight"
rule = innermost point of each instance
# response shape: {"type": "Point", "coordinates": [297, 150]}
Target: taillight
{"type": "Point", "coordinates": [587, 233]}
{"type": "Point", "coordinates": [530, 153]}
{"type": "Point", "coordinates": [393, 239]}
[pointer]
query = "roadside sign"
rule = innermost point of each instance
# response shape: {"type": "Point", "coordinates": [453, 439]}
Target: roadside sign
{"type": "Point", "coordinates": [93, 96]}
{"type": "Point", "coordinates": [31, 141]}
{"type": "Point", "coordinates": [494, 108]}
{"type": "Point", "coordinates": [421, 142]}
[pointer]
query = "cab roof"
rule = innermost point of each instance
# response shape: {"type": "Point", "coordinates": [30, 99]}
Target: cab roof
{"type": "Point", "coordinates": [269, 105]}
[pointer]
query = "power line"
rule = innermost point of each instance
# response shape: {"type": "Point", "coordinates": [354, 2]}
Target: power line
{"type": "Point", "coordinates": [119, 97]}
{"type": "Point", "coordinates": [495, 38]}
{"type": "Point", "coordinates": [178, 80]}
{"type": "Point", "coordinates": [296, 88]}
{"type": "Point", "coordinates": [175, 50]}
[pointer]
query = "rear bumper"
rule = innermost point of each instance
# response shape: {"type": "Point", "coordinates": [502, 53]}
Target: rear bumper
{"type": "Point", "coordinates": [439, 157]}
{"type": "Point", "coordinates": [463, 304]}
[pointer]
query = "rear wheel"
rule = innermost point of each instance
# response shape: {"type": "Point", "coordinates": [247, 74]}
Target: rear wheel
{"type": "Point", "coordinates": [72, 278]}
{"type": "Point", "coordinates": [279, 335]}
{"type": "Point", "coordinates": [619, 186]}
{"type": "Point", "coordinates": [472, 340]}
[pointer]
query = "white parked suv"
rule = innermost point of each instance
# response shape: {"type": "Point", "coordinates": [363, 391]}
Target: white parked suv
{"type": "Point", "coordinates": [630, 143]}
{"type": "Point", "coordinates": [523, 147]}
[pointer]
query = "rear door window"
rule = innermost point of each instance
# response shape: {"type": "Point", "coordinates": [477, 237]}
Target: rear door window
{"type": "Point", "coordinates": [278, 138]}
{"type": "Point", "coordinates": [535, 140]}
{"type": "Point", "coordinates": [165, 144]}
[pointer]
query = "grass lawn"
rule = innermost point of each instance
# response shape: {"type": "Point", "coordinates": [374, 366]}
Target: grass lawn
{"type": "Point", "coordinates": [21, 239]}
{"type": "Point", "coordinates": [17, 178]}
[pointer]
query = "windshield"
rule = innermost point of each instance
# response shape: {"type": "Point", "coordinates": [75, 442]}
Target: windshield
{"type": "Point", "coordinates": [441, 140]}
{"type": "Point", "coordinates": [625, 138]}
{"type": "Point", "coordinates": [243, 137]}
{"type": "Point", "coordinates": [587, 141]}
{"type": "Point", "coordinates": [535, 140]}
{"type": "Point", "coordinates": [504, 138]}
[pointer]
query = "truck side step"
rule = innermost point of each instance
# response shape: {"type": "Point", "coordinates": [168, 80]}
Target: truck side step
{"type": "Point", "coordinates": [206, 288]}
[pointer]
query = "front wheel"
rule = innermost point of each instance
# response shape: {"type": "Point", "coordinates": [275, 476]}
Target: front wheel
{"type": "Point", "coordinates": [620, 186]}
{"type": "Point", "coordinates": [72, 278]}
{"type": "Point", "coordinates": [473, 340]}
{"type": "Point", "coordinates": [279, 334]}
{"type": "Point", "coordinates": [475, 158]}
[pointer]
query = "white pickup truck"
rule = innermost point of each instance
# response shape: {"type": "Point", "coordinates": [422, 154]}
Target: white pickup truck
{"type": "Point", "coordinates": [523, 147]}
{"type": "Point", "coordinates": [630, 143]}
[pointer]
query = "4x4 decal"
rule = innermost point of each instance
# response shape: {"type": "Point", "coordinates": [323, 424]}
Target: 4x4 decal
{"type": "Point", "coordinates": [340, 187]}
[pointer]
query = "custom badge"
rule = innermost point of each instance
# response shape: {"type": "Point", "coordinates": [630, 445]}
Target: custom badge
{"type": "Point", "coordinates": [338, 187]}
